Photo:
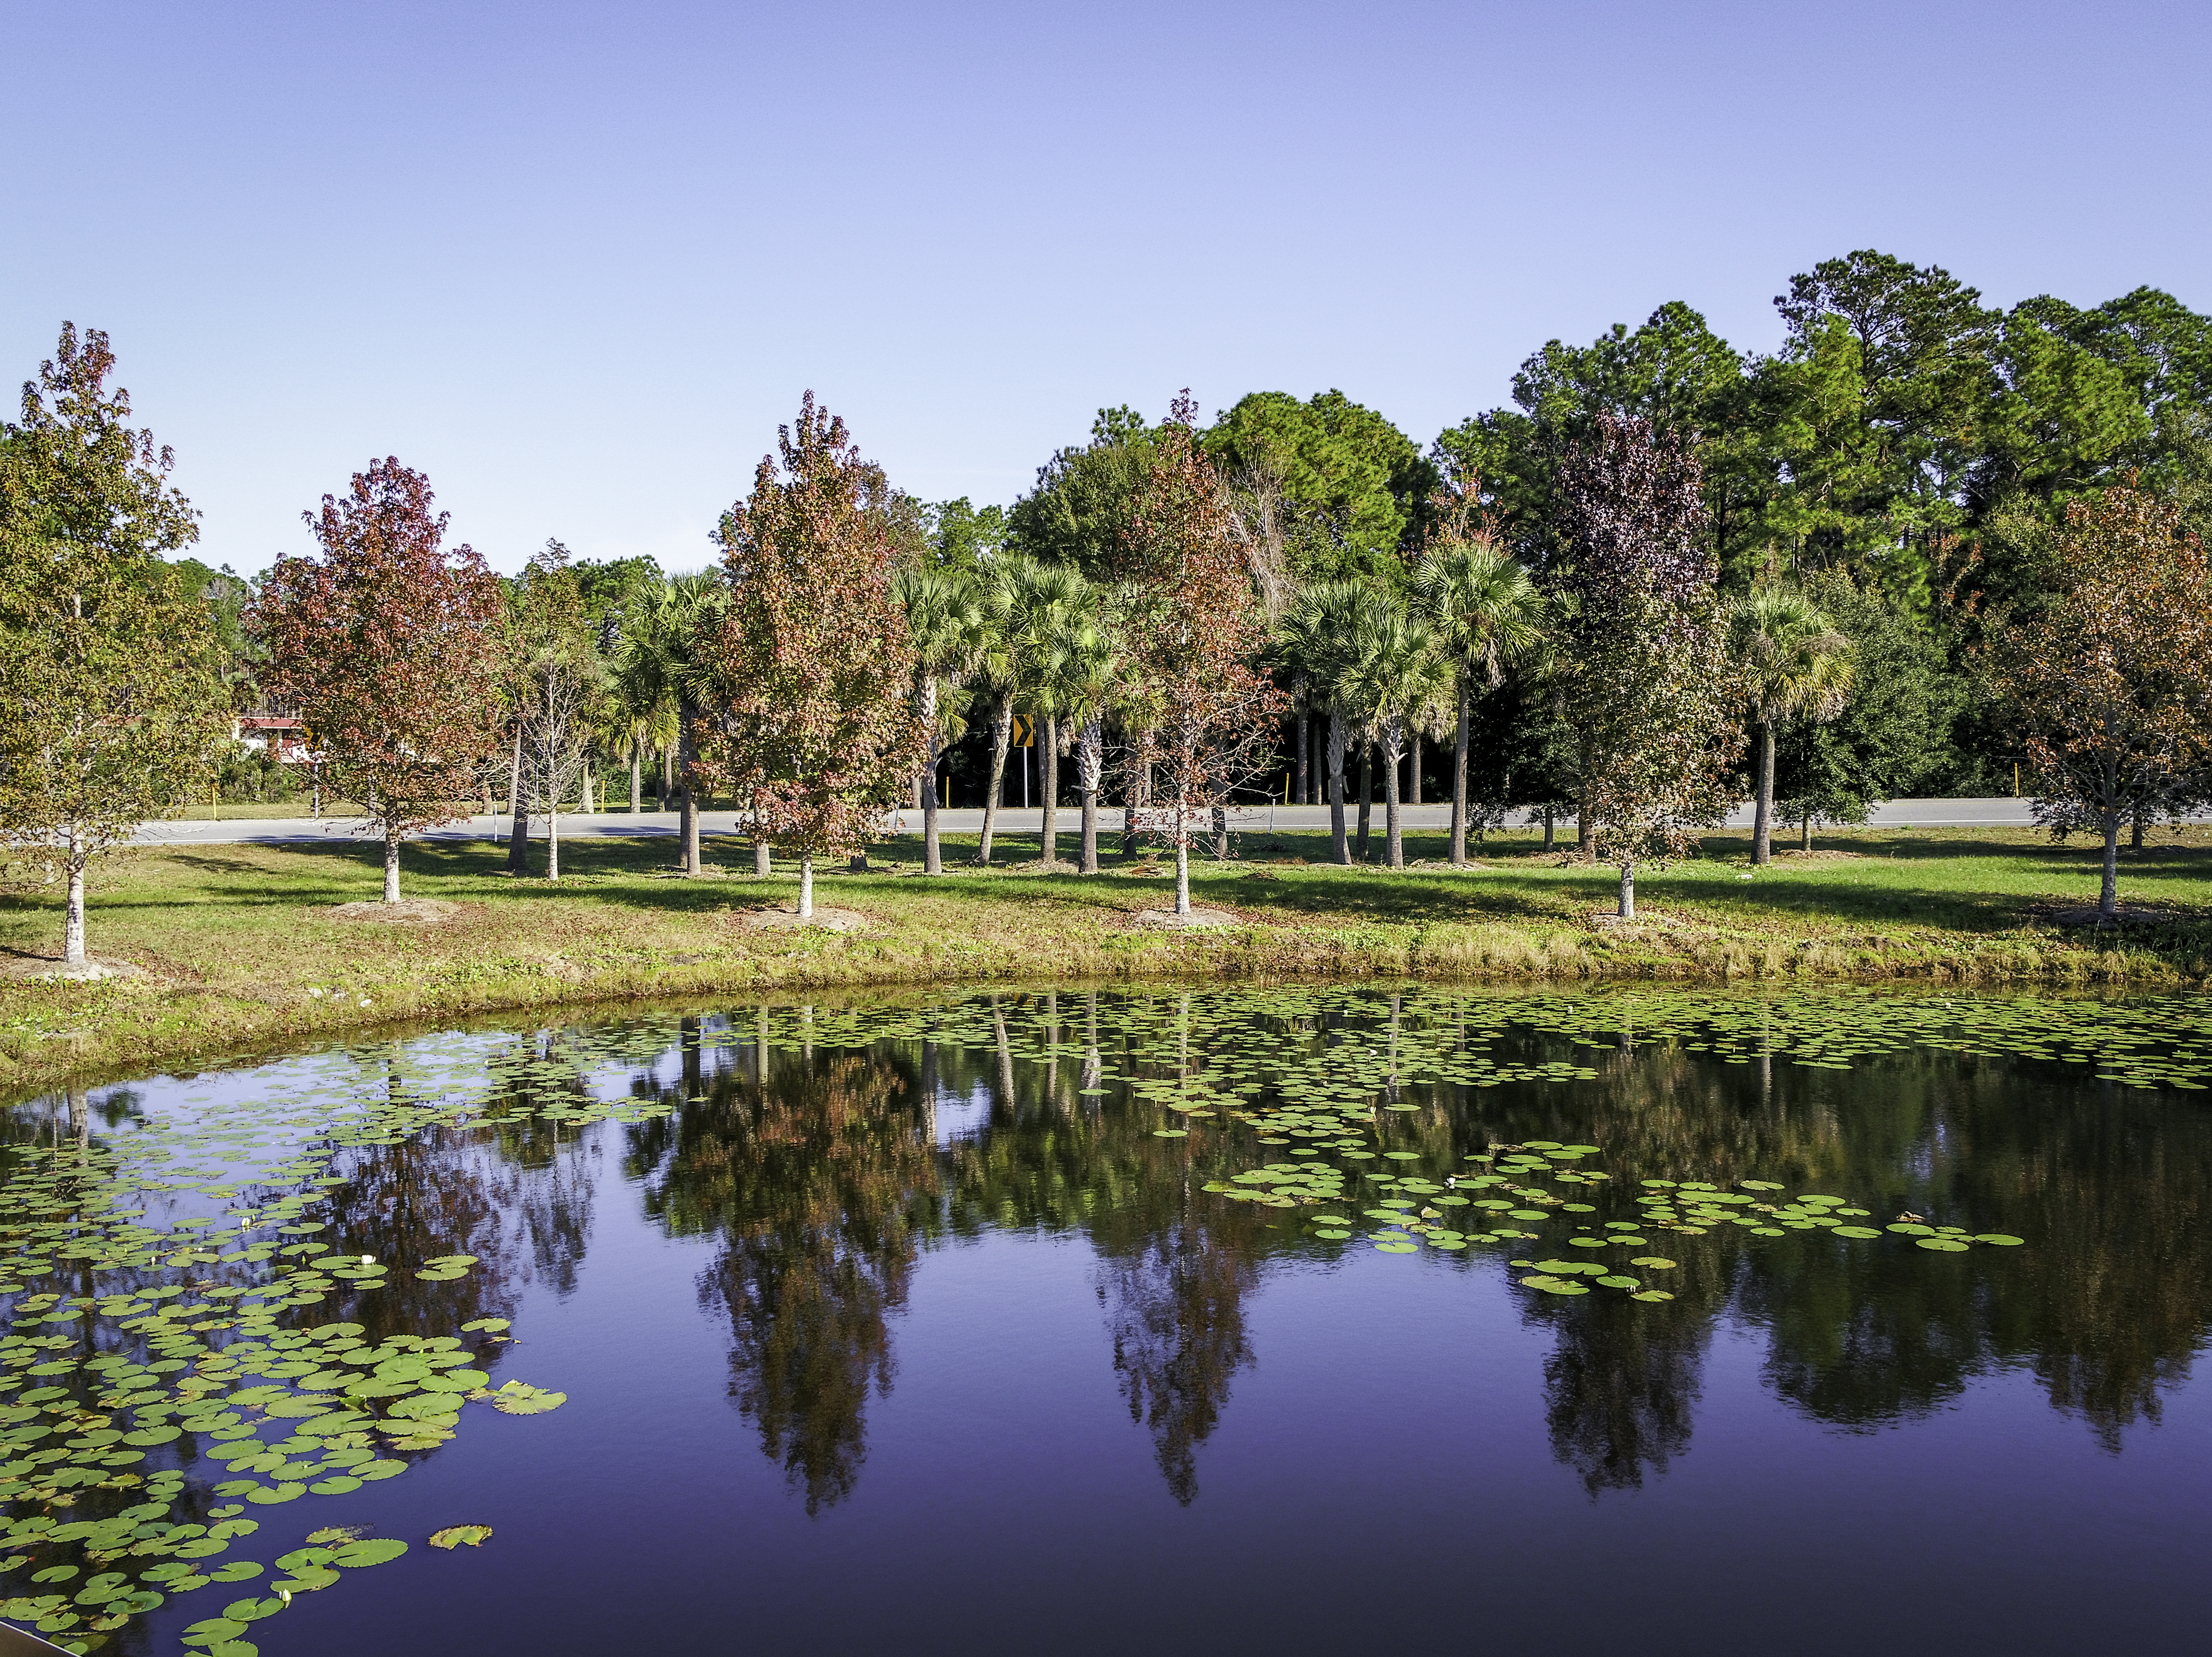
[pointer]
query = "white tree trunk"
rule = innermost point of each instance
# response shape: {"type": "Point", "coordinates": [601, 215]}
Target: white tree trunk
{"type": "Point", "coordinates": [1183, 872]}
{"type": "Point", "coordinates": [391, 866]}
{"type": "Point", "coordinates": [1628, 888]}
{"type": "Point", "coordinates": [806, 885]}
{"type": "Point", "coordinates": [553, 844]}
{"type": "Point", "coordinates": [637, 784]}
{"type": "Point", "coordinates": [73, 917]}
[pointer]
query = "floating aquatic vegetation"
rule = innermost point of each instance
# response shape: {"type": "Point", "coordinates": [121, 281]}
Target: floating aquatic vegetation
{"type": "Point", "coordinates": [461, 1536]}
{"type": "Point", "coordinates": [143, 1364]}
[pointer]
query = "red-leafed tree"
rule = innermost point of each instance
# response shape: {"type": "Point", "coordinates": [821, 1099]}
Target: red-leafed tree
{"type": "Point", "coordinates": [1195, 630]}
{"type": "Point", "coordinates": [812, 717]}
{"type": "Point", "coordinates": [387, 646]}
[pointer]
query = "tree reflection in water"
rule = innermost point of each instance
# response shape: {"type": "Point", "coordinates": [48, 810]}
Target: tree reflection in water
{"type": "Point", "coordinates": [815, 1176]}
{"type": "Point", "coordinates": [818, 1172]}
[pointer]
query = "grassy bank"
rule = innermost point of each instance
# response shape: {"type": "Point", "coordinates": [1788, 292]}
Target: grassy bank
{"type": "Point", "coordinates": [239, 949]}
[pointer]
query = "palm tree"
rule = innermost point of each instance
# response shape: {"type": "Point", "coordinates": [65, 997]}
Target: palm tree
{"type": "Point", "coordinates": [946, 618]}
{"type": "Point", "coordinates": [1486, 612]}
{"type": "Point", "coordinates": [658, 659]}
{"type": "Point", "coordinates": [1025, 600]}
{"type": "Point", "coordinates": [1794, 663]}
{"type": "Point", "coordinates": [1398, 675]}
{"type": "Point", "coordinates": [1316, 634]}
{"type": "Point", "coordinates": [1082, 671]}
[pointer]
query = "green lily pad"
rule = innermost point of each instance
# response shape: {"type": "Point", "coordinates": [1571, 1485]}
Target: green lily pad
{"type": "Point", "coordinates": [461, 1536]}
{"type": "Point", "coordinates": [1999, 1239]}
{"type": "Point", "coordinates": [377, 1551]}
{"type": "Point", "coordinates": [1943, 1244]}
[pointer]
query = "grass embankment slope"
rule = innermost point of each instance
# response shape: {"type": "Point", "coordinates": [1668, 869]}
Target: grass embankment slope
{"type": "Point", "coordinates": [240, 948]}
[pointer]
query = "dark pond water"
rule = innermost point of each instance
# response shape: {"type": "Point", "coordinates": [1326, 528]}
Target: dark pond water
{"type": "Point", "coordinates": [1280, 1321]}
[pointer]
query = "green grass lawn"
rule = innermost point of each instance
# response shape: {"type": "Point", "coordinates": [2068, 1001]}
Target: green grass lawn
{"type": "Point", "coordinates": [238, 950]}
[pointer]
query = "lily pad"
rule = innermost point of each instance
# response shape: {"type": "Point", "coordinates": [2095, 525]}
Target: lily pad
{"type": "Point", "coordinates": [459, 1536]}
{"type": "Point", "coordinates": [377, 1551]}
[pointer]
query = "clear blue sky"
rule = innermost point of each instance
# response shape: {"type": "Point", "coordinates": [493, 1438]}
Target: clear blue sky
{"type": "Point", "coordinates": [578, 262]}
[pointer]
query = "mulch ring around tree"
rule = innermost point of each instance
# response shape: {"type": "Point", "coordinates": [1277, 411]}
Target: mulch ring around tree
{"type": "Point", "coordinates": [776, 918]}
{"type": "Point", "coordinates": [1643, 923]}
{"type": "Point", "coordinates": [1197, 921]}
{"type": "Point", "coordinates": [408, 911]}
{"type": "Point", "coordinates": [20, 964]}
{"type": "Point", "coordinates": [2129, 914]}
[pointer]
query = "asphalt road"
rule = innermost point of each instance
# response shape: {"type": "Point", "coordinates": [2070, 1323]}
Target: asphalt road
{"type": "Point", "coordinates": [1895, 814]}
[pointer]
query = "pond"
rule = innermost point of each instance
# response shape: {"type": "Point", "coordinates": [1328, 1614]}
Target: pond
{"type": "Point", "coordinates": [1238, 1319]}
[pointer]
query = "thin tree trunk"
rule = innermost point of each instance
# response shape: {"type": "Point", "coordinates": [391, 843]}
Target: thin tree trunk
{"type": "Point", "coordinates": [1002, 732]}
{"type": "Point", "coordinates": [1366, 796]}
{"type": "Point", "coordinates": [1340, 847]}
{"type": "Point", "coordinates": [806, 885]}
{"type": "Point", "coordinates": [1550, 826]}
{"type": "Point", "coordinates": [1140, 796]}
{"type": "Point", "coordinates": [925, 783]}
{"type": "Point", "coordinates": [73, 917]}
{"type": "Point", "coordinates": [2108, 900]}
{"type": "Point", "coordinates": [1459, 780]}
{"type": "Point", "coordinates": [518, 843]}
{"type": "Point", "coordinates": [1393, 829]}
{"type": "Point", "coordinates": [1048, 825]}
{"type": "Point", "coordinates": [391, 866]}
{"type": "Point", "coordinates": [1762, 814]}
{"type": "Point", "coordinates": [1806, 824]}
{"type": "Point", "coordinates": [637, 783]}
{"type": "Point", "coordinates": [1182, 873]}
{"type": "Point", "coordinates": [1413, 769]}
{"type": "Point", "coordinates": [1221, 834]}
{"type": "Point", "coordinates": [515, 775]}
{"type": "Point", "coordinates": [1305, 781]}
{"type": "Point", "coordinates": [1089, 772]}
{"type": "Point", "coordinates": [1628, 888]}
{"type": "Point", "coordinates": [553, 841]}
{"type": "Point", "coordinates": [763, 857]}
{"type": "Point", "coordinates": [687, 754]}
{"type": "Point", "coordinates": [933, 855]}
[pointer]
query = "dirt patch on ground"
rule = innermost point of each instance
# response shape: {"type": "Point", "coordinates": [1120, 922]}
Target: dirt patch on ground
{"type": "Point", "coordinates": [408, 911]}
{"type": "Point", "coordinates": [22, 967]}
{"type": "Point", "coordinates": [827, 919]}
{"type": "Point", "coordinates": [1197, 921]}
{"type": "Point", "coordinates": [1643, 923]}
{"type": "Point", "coordinates": [2130, 914]}
{"type": "Point", "coordinates": [1792, 854]}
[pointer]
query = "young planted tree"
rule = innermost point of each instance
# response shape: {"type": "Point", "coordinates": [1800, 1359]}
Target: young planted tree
{"type": "Point", "coordinates": [1196, 628]}
{"type": "Point", "coordinates": [1643, 673]}
{"type": "Point", "coordinates": [1794, 665]}
{"type": "Point", "coordinates": [2109, 680]}
{"type": "Point", "coordinates": [1487, 615]}
{"type": "Point", "coordinates": [112, 701]}
{"type": "Point", "coordinates": [388, 645]}
{"type": "Point", "coordinates": [812, 717]}
{"type": "Point", "coordinates": [561, 693]}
